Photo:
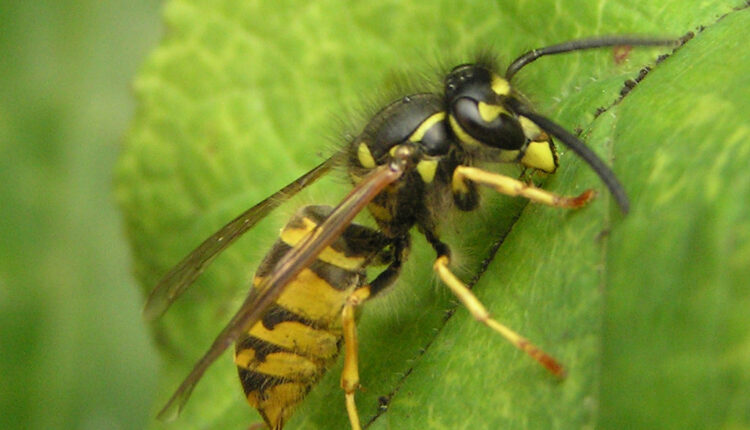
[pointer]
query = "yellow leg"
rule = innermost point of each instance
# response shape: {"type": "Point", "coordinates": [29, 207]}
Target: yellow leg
{"type": "Point", "coordinates": [513, 187]}
{"type": "Point", "coordinates": [350, 373]}
{"type": "Point", "coordinates": [480, 313]}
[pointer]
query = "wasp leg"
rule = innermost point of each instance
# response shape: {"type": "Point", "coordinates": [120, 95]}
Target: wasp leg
{"type": "Point", "coordinates": [480, 313]}
{"type": "Point", "coordinates": [388, 276]}
{"type": "Point", "coordinates": [350, 373]}
{"type": "Point", "coordinates": [513, 187]}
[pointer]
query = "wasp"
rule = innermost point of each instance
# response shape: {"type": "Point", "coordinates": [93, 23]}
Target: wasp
{"type": "Point", "coordinates": [419, 156]}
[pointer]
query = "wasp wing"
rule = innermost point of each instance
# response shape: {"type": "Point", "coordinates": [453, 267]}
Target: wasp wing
{"type": "Point", "coordinates": [174, 283]}
{"type": "Point", "coordinates": [289, 266]}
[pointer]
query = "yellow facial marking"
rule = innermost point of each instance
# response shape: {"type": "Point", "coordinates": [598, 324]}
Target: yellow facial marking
{"type": "Point", "coordinates": [540, 155]}
{"type": "Point", "coordinates": [531, 130]}
{"type": "Point", "coordinates": [426, 169]}
{"type": "Point", "coordinates": [426, 125]}
{"type": "Point", "coordinates": [489, 112]}
{"type": "Point", "coordinates": [461, 134]}
{"type": "Point", "coordinates": [365, 156]}
{"type": "Point", "coordinates": [500, 86]}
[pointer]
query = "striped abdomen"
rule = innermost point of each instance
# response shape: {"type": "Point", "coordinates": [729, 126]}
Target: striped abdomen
{"type": "Point", "coordinates": [288, 351]}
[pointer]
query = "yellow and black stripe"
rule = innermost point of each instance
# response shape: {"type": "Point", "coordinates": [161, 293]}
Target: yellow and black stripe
{"type": "Point", "coordinates": [283, 355]}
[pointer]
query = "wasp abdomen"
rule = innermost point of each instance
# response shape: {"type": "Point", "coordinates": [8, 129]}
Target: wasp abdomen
{"type": "Point", "coordinates": [283, 355]}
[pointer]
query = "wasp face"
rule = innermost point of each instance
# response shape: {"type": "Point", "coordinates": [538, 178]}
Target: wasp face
{"type": "Point", "coordinates": [480, 106]}
{"type": "Point", "coordinates": [477, 103]}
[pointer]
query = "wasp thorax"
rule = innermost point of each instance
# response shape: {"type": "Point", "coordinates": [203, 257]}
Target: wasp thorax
{"type": "Point", "coordinates": [416, 119]}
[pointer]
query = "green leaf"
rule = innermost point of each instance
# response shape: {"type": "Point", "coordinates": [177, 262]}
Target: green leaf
{"type": "Point", "coordinates": [675, 338]}
{"type": "Point", "coordinates": [242, 97]}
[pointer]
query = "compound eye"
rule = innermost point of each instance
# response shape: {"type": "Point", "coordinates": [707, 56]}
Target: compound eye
{"type": "Point", "coordinates": [489, 124]}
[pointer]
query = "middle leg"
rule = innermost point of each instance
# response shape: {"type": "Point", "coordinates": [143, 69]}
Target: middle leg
{"type": "Point", "coordinates": [480, 312]}
{"type": "Point", "coordinates": [350, 373]}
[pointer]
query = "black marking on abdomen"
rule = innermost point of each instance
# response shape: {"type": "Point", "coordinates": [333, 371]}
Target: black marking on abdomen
{"type": "Point", "coordinates": [277, 314]}
{"type": "Point", "coordinates": [254, 381]}
{"type": "Point", "coordinates": [336, 277]}
{"type": "Point", "coordinates": [261, 347]}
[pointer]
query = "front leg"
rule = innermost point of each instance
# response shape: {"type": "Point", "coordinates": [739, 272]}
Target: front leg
{"type": "Point", "coordinates": [465, 175]}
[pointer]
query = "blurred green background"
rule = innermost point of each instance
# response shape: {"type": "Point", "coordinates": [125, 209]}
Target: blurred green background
{"type": "Point", "coordinates": [73, 352]}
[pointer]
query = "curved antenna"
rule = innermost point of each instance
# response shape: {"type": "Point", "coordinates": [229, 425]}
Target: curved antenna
{"type": "Point", "coordinates": [584, 44]}
{"type": "Point", "coordinates": [576, 145]}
